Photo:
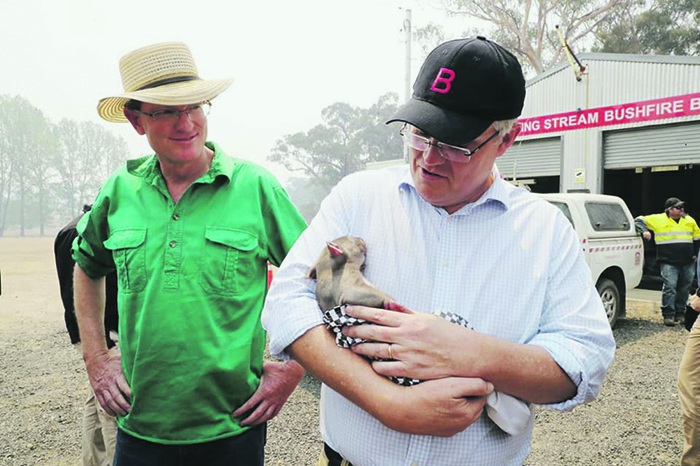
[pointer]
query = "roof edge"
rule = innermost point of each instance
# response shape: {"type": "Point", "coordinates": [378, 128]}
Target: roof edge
{"type": "Point", "coordinates": [624, 57]}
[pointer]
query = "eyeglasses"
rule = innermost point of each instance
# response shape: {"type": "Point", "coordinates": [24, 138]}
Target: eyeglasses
{"type": "Point", "coordinates": [195, 112]}
{"type": "Point", "coordinates": [447, 151]}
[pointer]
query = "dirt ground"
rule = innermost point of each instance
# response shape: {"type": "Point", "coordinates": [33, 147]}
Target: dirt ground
{"type": "Point", "coordinates": [635, 421]}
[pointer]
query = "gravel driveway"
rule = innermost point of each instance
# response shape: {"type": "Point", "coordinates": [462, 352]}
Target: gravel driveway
{"type": "Point", "coordinates": [635, 421]}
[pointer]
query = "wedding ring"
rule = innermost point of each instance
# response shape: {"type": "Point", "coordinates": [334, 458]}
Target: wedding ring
{"type": "Point", "coordinates": [391, 354]}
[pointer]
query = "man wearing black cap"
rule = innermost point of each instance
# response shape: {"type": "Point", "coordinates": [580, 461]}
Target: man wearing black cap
{"type": "Point", "coordinates": [677, 239]}
{"type": "Point", "coordinates": [446, 235]}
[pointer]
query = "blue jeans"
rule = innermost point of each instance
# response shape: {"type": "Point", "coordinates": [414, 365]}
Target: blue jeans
{"type": "Point", "coordinates": [244, 450]}
{"type": "Point", "coordinates": [674, 294]}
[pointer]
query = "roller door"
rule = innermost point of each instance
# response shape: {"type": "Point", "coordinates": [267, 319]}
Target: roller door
{"type": "Point", "coordinates": [533, 158]}
{"type": "Point", "coordinates": [651, 146]}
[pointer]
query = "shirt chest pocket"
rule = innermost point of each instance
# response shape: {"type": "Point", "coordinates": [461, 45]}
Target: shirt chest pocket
{"type": "Point", "coordinates": [128, 246]}
{"type": "Point", "coordinates": [229, 262]}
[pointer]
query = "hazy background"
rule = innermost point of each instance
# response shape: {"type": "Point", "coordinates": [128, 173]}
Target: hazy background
{"type": "Point", "coordinates": [314, 80]}
{"type": "Point", "coordinates": [289, 59]}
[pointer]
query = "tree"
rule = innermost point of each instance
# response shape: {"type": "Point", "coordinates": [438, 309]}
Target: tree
{"type": "Point", "coordinates": [7, 162]}
{"type": "Point", "coordinates": [430, 36]}
{"type": "Point", "coordinates": [348, 138]}
{"type": "Point", "coordinates": [27, 142]}
{"type": "Point", "coordinates": [87, 154]}
{"type": "Point", "coordinates": [43, 166]}
{"type": "Point", "coordinates": [527, 27]}
{"type": "Point", "coordinates": [345, 142]}
{"type": "Point", "coordinates": [377, 140]}
{"type": "Point", "coordinates": [661, 28]}
{"type": "Point", "coordinates": [306, 196]}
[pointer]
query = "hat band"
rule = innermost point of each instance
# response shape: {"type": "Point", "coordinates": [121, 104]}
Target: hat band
{"type": "Point", "coordinates": [163, 82]}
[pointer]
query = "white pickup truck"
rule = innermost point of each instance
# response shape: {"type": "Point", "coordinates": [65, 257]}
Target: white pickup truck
{"type": "Point", "coordinates": [613, 249]}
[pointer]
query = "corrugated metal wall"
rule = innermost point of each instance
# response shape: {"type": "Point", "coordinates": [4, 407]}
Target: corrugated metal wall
{"type": "Point", "coordinates": [539, 157]}
{"type": "Point", "coordinates": [618, 82]}
{"type": "Point", "coordinates": [611, 80]}
{"type": "Point", "coordinates": [652, 146]}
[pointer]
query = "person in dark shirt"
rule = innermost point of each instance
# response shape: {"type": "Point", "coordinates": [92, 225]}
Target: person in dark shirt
{"type": "Point", "coordinates": [99, 429]}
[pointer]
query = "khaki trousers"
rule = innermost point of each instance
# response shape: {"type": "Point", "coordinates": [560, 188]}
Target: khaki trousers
{"type": "Point", "coordinates": [99, 436]}
{"type": "Point", "coordinates": [99, 433]}
{"type": "Point", "coordinates": [689, 394]}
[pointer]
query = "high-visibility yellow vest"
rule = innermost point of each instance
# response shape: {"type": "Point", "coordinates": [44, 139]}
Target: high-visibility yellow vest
{"type": "Point", "coordinates": [674, 240]}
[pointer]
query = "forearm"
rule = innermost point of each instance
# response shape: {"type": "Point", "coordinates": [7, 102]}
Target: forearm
{"type": "Point", "coordinates": [89, 310]}
{"type": "Point", "coordinates": [525, 371]}
{"type": "Point", "coordinates": [640, 225]}
{"type": "Point", "coordinates": [436, 407]}
{"type": "Point", "coordinates": [292, 368]}
{"type": "Point", "coordinates": [342, 370]}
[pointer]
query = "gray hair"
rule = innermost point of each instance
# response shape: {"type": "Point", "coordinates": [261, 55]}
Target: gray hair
{"type": "Point", "coordinates": [504, 126]}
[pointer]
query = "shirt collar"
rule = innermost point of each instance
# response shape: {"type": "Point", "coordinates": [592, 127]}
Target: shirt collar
{"type": "Point", "coordinates": [497, 192]}
{"type": "Point", "coordinates": [148, 167]}
{"type": "Point", "coordinates": [221, 164]}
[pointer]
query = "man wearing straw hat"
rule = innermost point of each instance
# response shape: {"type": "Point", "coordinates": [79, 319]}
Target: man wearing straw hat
{"type": "Point", "coordinates": [189, 231]}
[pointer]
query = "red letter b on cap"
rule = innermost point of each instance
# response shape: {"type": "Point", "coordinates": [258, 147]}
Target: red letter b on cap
{"type": "Point", "coordinates": [444, 80]}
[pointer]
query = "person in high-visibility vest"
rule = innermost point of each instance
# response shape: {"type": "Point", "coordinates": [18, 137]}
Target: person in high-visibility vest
{"type": "Point", "coordinates": [677, 239]}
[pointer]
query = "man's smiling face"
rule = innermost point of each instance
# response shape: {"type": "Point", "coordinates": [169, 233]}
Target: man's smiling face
{"type": "Point", "coordinates": [177, 142]}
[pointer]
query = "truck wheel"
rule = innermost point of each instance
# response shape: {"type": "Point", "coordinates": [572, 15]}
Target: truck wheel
{"type": "Point", "coordinates": [609, 294]}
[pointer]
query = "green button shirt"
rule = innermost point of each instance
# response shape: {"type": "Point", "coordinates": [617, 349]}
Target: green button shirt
{"type": "Point", "coordinates": [192, 280]}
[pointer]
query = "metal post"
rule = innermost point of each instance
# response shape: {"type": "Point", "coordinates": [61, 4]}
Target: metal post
{"type": "Point", "coordinates": [407, 32]}
{"type": "Point", "coordinates": [407, 83]}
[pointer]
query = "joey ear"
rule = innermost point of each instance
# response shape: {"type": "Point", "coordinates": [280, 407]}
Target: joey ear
{"type": "Point", "coordinates": [311, 273]}
{"type": "Point", "coordinates": [334, 249]}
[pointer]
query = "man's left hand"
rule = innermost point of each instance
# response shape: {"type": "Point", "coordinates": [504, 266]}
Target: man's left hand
{"type": "Point", "coordinates": [423, 346]}
{"type": "Point", "coordinates": [278, 381]}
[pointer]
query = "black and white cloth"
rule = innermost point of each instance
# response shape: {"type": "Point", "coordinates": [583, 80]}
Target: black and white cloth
{"type": "Point", "coordinates": [336, 319]}
{"type": "Point", "coordinates": [509, 413]}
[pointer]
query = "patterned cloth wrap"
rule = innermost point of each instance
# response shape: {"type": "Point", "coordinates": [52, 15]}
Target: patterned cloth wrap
{"type": "Point", "coordinates": [336, 319]}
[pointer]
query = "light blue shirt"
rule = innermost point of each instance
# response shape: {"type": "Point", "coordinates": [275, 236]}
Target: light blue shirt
{"type": "Point", "coordinates": [510, 263]}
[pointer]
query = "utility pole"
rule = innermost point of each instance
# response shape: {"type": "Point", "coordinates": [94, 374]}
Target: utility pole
{"type": "Point", "coordinates": [407, 32]}
{"type": "Point", "coordinates": [407, 70]}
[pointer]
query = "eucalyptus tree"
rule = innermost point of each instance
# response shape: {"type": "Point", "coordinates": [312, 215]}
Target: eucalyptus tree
{"type": "Point", "coordinates": [347, 139]}
{"type": "Point", "coordinates": [87, 154]}
{"type": "Point", "coordinates": [528, 28]}
{"type": "Point", "coordinates": [27, 143]}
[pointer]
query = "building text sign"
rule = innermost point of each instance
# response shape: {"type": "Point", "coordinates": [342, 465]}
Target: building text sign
{"type": "Point", "coordinates": [657, 109]}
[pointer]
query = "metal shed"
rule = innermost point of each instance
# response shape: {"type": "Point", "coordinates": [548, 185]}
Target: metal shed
{"type": "Point", "coordinates": [630, 126]}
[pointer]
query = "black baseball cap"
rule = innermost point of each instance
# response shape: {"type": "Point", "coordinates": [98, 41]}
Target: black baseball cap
{"type": "Point", "coordinates": [673, 202]}
{"type": "Point", "coordinates": [462, 88]}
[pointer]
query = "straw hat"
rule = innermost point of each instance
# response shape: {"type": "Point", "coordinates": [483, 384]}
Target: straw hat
{"type": "Point", "coordinates": [163, 74]}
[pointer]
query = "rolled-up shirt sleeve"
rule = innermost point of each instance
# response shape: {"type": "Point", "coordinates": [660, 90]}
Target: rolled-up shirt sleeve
{"type": "Point", "coordinates": [574, 328]}
{"type": "Point", "coordinates": [88, 249]}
